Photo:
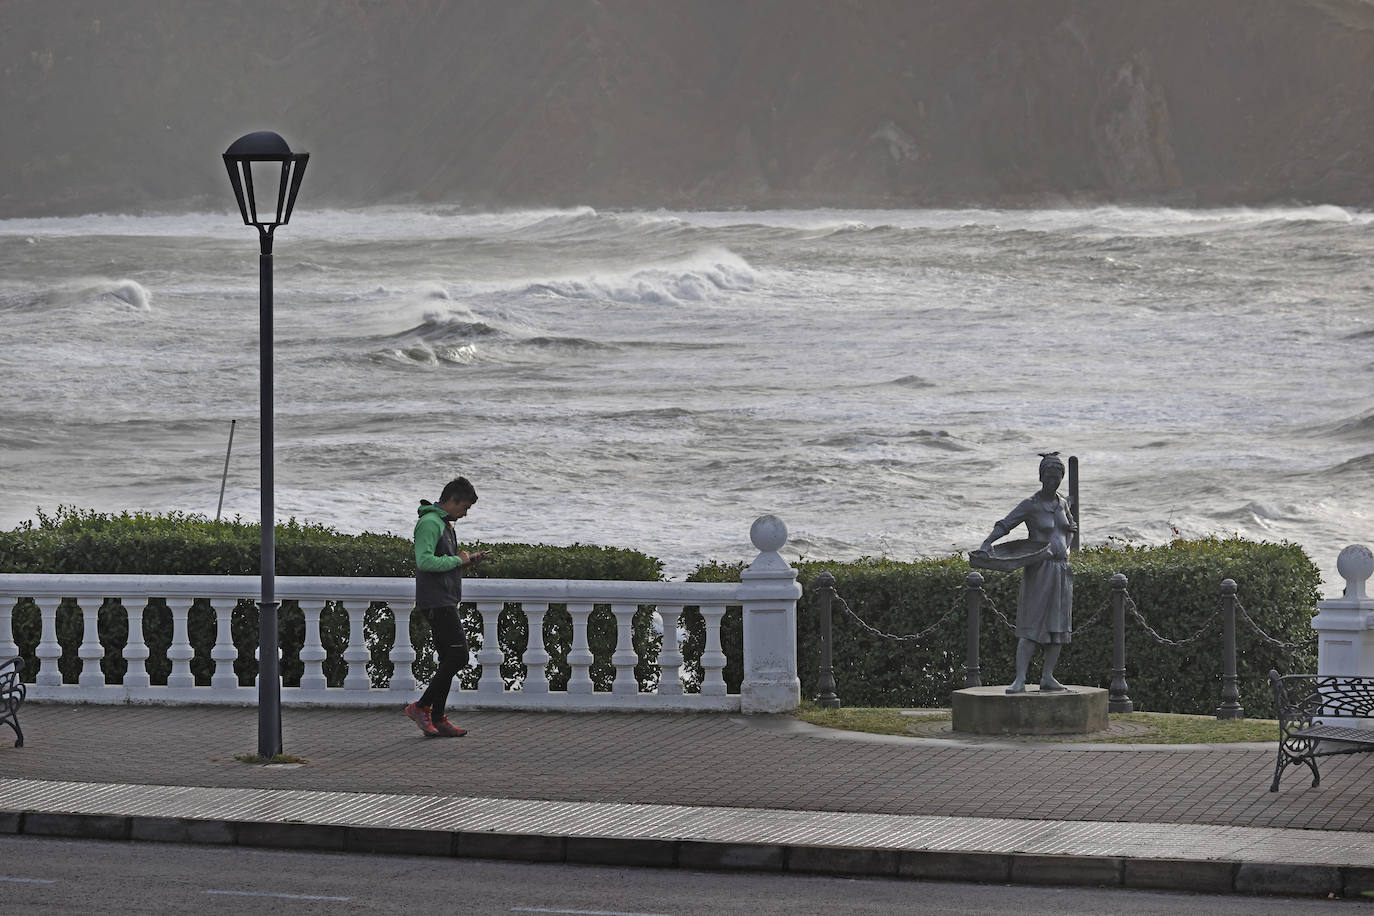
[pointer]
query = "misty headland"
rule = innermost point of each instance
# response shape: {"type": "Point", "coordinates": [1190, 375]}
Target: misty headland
{"type": "Point", "coordinates": [712, 104]}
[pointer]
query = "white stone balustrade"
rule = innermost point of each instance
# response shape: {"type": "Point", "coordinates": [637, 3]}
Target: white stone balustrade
{"type": "Point", "coordinates": [767, 598]}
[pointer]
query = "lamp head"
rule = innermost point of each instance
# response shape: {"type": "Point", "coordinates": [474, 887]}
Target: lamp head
{"type": "Point", "coordinates": [266, 176]}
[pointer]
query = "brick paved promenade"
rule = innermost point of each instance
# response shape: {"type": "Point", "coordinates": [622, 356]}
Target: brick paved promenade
{"type": "Point", "coordinates": [704, 760]}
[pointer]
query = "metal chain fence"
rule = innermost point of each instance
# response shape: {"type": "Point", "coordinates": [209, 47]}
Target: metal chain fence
{"type": "Point", "coordinates": [910, 636]}
{"type": "Point", "coordinates": [1097, 615]}
{"type": "Point", "coordinates": [991, 605]}
{"type": "Point", "coordinates": [1091, 620]}
{"type": "Point", "coordinates": [1164, 640]}
{"type": "Point", "coordinates": [1277, 643]}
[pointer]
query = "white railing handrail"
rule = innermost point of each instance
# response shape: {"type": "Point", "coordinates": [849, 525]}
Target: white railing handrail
{"type": "Point", "coordinates": [374, 588]}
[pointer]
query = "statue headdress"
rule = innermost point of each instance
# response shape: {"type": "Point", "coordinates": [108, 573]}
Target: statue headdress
{"type": "Point", "coordinates": [1050, 459]}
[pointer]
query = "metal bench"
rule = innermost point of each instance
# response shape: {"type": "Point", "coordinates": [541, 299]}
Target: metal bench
{"type": "Point", "coordinates": [12, 693]}
{"type": "Point", "coordinates": [1303, 702]}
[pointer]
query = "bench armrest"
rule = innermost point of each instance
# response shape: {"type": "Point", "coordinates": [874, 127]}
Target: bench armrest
{"type": "Point", "coordinates": [12, 688]}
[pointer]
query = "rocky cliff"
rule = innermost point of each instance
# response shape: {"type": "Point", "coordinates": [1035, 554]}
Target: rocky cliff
{"type": "Point", "coordinates": [708, 103]}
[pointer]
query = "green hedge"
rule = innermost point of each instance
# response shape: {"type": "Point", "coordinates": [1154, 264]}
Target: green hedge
{"type": "Point", "coordinates": [75, 541]}
{"type": "Point", "coordinates": [1175, 588]}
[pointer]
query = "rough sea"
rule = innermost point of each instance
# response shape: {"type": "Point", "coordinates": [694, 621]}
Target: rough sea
{"type": "Point", "coordinates": [881, 380]}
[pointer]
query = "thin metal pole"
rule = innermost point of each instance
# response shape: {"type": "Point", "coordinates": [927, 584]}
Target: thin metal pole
{"type": "Point", "coordinates": [1117, 700]}
{"type": "Point", "coordinates": [269, 681]}
{"type": "Point", "coordinates": [1230, 707]}
{"type": "Point", "coordinates": [826, 697]}
{"type": "Point", "coordinates": [973, 595]}
{"type": "Point", "coordinates": [1073, 500]}
{"type": "Point", "coordinates": [225, 477]}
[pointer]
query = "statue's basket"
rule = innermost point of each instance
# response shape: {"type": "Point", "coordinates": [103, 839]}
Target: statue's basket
{"type": "Point", "coordinates": [1010, 555]}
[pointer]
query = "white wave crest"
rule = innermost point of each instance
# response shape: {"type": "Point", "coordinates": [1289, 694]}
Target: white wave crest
{"type": "Point", "coordinates": [434, 291]}
{"type": "Point", "coordinates": [697, 279]}
{"type": "Point", "coordinates": [422, 353]}
{"type": "Point", "coordinates": [135, 294]}
{"type": "Point", "coordinates": [123, 295]}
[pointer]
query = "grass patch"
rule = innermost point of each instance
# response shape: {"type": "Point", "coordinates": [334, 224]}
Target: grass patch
{"type": "Point", "coordinates": [874, 720]}
{"type": "Point", "coordinates": [263, 761]}
{"type": "Point", "coordinates": [1146, 727]}
{"type": "Point", "coordinates": [1171, 728]}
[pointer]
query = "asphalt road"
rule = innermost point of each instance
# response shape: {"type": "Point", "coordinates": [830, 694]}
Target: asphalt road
{"type": "Point", "coordinates": [40, 876]}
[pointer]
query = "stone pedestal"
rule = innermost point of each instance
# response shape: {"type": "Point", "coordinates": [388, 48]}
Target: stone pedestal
{"type": "Point", "coordinates": [1345, 625]}
{"type": "Point", "coordinates": [993, 711]}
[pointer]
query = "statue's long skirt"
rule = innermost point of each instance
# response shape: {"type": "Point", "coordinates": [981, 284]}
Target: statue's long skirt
{"type": "Point", "coordinates": [1044, 609]}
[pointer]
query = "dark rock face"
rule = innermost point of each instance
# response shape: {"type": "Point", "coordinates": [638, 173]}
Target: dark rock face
{"type": "Point", "coordinates": [709, 103]}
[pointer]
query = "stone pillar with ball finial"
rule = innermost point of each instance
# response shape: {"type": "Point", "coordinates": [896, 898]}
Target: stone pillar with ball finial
{"type": "Point", "coordinates": [769, 590]}
{"type": "Point", "coordinates": [1345, 625]}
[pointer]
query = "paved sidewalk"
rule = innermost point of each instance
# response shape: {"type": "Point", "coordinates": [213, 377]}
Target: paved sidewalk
{"type": "Point", "coordinates": [700, 790]}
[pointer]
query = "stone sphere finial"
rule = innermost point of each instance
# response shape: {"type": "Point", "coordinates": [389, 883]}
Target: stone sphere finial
{"type": "Point", "coordinates": [768, 533]}
{"type": "Point", "coordinates": [1356, 565]}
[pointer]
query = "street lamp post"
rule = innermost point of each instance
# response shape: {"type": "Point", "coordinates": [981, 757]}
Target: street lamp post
{"type": "Point", "coordinates": [262, 163]}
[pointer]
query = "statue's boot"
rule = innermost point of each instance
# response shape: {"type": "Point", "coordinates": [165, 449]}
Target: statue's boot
{"type": "Point", "coordinates": [1024, 648]}
{"type": "Point", "coordinates": [1047, 681]}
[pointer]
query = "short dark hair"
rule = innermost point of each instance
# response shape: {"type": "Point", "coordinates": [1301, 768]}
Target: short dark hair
{"type": "Point", "coordinates": [459, 489]}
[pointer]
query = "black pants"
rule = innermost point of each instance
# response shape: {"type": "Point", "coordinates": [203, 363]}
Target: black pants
{"type": "Point", "coordinates": [451, 644]}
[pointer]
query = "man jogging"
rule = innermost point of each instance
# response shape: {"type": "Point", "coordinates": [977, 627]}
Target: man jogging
{"type": "Point", "coordinates": [439, 566]}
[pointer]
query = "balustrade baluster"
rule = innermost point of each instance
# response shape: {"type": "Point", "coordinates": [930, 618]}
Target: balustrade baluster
{"type": "Point", "coordinates": [403, 652]}
{"type": "Point", "coordinates": [536, 658]}
{"type": "Point", "coordinates": [312, 650]}
{"type": "Point", "coordinates": [669, 658]}
{"type": "Point", "coordinates": [91, 651]}
{"type": "Point", "coordinates": [356, 654]}
{"type": "Point", "coordinates": [580, 656]}
{"type": "Point", "coordinates": [713, 659]}
{"type": "Point", "coordinates": [180, 653]}
{"type": "Point", "coordinates": [8, 647]}
{"type": "Point", "coordinates": [624, 657]}
{"type": "Point", "coordinates": [490, 655]}
{"type": "Point", "coordinates": [223, 653]}
{"type": "Point", "coordinates": [49, 650]}
{"type": "Point", "coordinates": [136, 650]}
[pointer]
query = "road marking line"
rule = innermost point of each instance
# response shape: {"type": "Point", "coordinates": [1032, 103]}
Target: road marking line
{"type": "Point", "coordinates": [283, 896]}
{"type": "Point", "coordinates": [27, 881]}
{"type": "Point", "coordinates": [539, 909]}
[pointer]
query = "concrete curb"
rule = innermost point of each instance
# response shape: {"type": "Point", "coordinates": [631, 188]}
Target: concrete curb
{"type": "Point", "coordinates": [789, 726]}
{"type": "Point", "coordinates": [1212, 877]}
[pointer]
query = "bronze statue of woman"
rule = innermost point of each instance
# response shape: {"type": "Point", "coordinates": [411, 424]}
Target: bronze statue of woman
{"type": "Point", "coordinates": [1044, 607]}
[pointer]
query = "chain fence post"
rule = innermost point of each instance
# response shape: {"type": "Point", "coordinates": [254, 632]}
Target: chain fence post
{"type": "Point", "coordinates": [973, 595]}
{"type": "Point", "coordinates": [1230, 707]}
{"type": "Point", "coordinates": [825, 681]}
{"type": "Point", "coordinates": [1117, 699]}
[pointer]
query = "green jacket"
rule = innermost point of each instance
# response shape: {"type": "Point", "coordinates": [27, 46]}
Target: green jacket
{"type": "Point", "coordinates": [438, 568]}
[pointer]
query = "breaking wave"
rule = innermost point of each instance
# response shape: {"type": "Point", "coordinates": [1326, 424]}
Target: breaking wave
{"type": "Point", "coordinates": [697, 280]}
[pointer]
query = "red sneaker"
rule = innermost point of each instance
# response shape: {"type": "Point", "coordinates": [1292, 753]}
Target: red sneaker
{"type": "Point", "coordinates": [420, 715]}
{"type": "Point", "coordinates": [448, 730]}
